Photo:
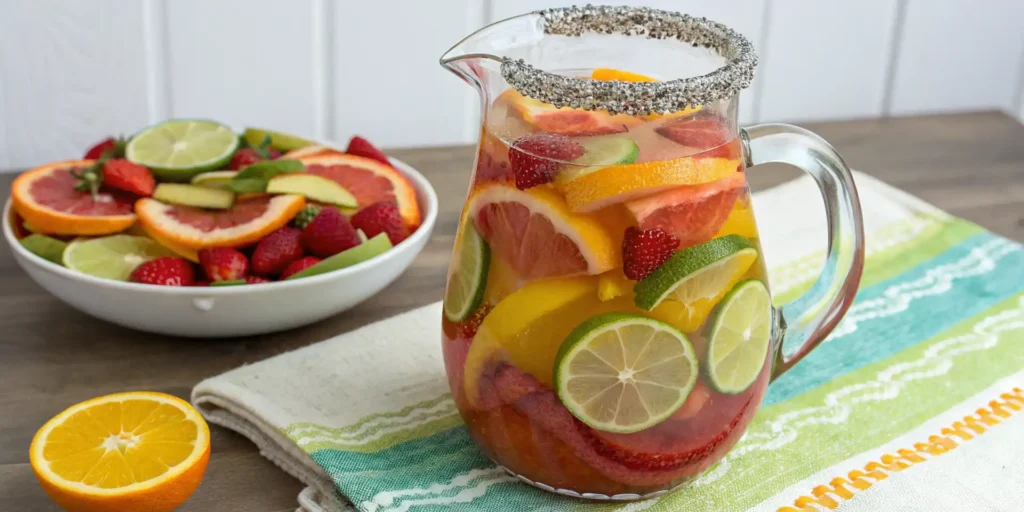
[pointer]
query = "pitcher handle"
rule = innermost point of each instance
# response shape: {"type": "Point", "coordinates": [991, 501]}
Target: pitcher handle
{"type": "Point", "coordinates": [807, 320]}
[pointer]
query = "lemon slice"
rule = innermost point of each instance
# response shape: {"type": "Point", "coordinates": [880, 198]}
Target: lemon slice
{"type": "Point", "coordinates": [112, 257]}
{"type": "Point", "coordinates": [468, 278]}
{"type": "Point", "coordinates": [625, 373]}
{"type": "Point", "coordinates": [739, 337]}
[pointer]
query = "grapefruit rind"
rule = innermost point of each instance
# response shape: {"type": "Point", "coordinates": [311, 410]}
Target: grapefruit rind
{"type": "Point", "coordinates": [49, 220]}
{"type": "Point", "coordinates": [597, 237]}
{"type": "Point", "coordinates": [404, 192]}
{"type": "Point", "coordinates": [153, 215]}
{"type": "Point", "coordinates": [565, 120]}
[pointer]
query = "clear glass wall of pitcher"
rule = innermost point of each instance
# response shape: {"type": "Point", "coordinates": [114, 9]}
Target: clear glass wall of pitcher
{"type": "Point", "coordinates": [608, 325]}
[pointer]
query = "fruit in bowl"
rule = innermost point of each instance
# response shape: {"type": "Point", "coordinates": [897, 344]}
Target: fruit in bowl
{"type": "Point", "coordinates": [190, 204]}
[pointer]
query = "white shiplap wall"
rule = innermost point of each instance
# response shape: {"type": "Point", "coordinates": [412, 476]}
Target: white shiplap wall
{"type": "Point", "coordinates": [72, 72]}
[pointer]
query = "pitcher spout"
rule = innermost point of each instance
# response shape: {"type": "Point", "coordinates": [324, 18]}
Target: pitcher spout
{"type": "Point", "coordinates": [481, 52]}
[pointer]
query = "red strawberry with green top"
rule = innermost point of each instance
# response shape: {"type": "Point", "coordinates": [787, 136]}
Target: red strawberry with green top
{"type": "Point", "coordinates": [329, 233]}
{"type": "Point", "coordinates": [111, 147]}
{"type": "Point", "coordinates": [381, 217]}
{"type": "Point", "coordinates": [276, 251]}
{"type": "Point", "coordinates": [129, 177]}
{"type": "Point", "coordinates": [223, 263]}
{"type": "Point", "coordinates": [536, 157]}
{"type": "Point", "coordinates": [165, 271]}
{"type": "Point", "coordinates": [299, 265]}
{"type": "Point", "coordinates": [644, 251]}
{"type": "Point", "coordinates": [361, 147]}
{"type": "Point", "coordinates": [247, 156]}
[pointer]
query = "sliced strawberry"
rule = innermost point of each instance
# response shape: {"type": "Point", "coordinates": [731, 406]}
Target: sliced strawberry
{"type": "Point", "coordinates": [165, 271]}
{"type": "Point", "coordinates": [361, 147]}
{"type": "Point", "coordinates": [129, 177]}
{"type": "Point", "coordinates": [381, 217]}
{"type": "Point", "coordinates": [299, 265]}
{"type": "Point", "coordinates": [536, 157]}
{"type": "Point", "coordinates": [276, 251]}
{"type": "Point", "coordinates": [223, 263]}
{"type": "Point", "coordinates": [95, 152]}
{"type": "Point", "coordinates": [645, 251]}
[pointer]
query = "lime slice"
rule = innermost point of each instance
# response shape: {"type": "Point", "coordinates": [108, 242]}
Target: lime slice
{"type": "Point", "coordinates": [599, 152]}
{"type": "Point", "coordinates": [45, 247]}
{"type": "Point", "coordinates": [468, 278]}
{"type": "Point", "coordinates": [213, 179]}
{"type": "Point", "coordinates": [358, 254]}
{"type": "Point", "coordinates": [739, 337]}
{"type": "Point", "coordinates": [282, 142]}
{"type": "Point", "coordinates": [697, 277]}
{"type": "Point", "coordinates": [112, 257]}
{"type": "Point", "coordinates": [177, 150]}
{"type": "Point", "coordinates": [624, 373]}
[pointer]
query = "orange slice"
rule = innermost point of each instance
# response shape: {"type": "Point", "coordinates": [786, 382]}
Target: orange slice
{"type": "Point", "coordinates": [45, 197]}
{"type": "Point", "coordinates": [369, 181]}
{"type": "Point", "coordinates": [538, 236]}
{"type": "Point", "coordinates": [596, 187]}
{"type": "Point", "coordinates": [627, 76]}
{"type": "Point", "coordinates": [124, 452]}
{"type": "Point", "coordinates": [246, 222]}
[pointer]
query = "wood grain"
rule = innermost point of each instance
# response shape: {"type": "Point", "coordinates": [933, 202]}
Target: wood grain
{"type": "Point", "coordinates": [51, 356]}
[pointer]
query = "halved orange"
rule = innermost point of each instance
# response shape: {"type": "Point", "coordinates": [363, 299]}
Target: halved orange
{"type": "Point", "coordinates": [124, 452]}
{"type": "Point", "coordinates": [246, 222]}
{"type": "Point", "coordinates": [45, 197]}
{"type": "Point", "coordinates": [369, 181]}
{"type": "Point", "coordinates": [538, 236]}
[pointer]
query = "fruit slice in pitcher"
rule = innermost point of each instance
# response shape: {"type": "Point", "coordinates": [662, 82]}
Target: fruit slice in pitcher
{"type": "Point", "coordinates": [534, 231]}
{"type": "Point", "coordinates": [369, 181]}
{"type": "Point", "coordinates": [246, 222]}
{"type": "Point", "coordinates": [693, 214]}
{"type": "Point", "coordinates": [624, 373]}
{"type": "Point", "coordinates": [739, 337]}
{"type": "Point", "coordinates": [546, 117]}
{"type": "Point", "coordinates": [468, 278]}
{"type": "Point", "coordinates": [46, 198]}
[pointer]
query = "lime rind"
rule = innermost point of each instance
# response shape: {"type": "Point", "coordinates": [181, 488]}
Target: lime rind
{"type": "Point", "coordinates": [600, 152]}
{"type": "Point", "coordinates": [739, 337]}
{"type": "Point", "coordinates": [468, 280]}
{"type": "Point", "coordinates": [689, 263]}
{"type": "Point", "coordinates": [181, 148]}
{"type": "Point", "coordinates": [646, 367]}
{"type": "Point", "coordinates": [112, 257]}
{"type": "Point", "coordinates": [358, 254]}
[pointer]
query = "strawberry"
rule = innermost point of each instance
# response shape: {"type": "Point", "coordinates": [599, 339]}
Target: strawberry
{"type": "Point", "coordinates": [644, 251]}
{"type": "Point", "coordinates": [466, 329]}
{"type": "Point", "coordinates": [304, 217]}
{"type": "Point", "coordinates": [490, 169]}
{"type": "Point", "coordinates": [299, 265]}
{"type": "Point", "coordinates": [361, 147]}
{"type": "Point", "coordinates": [256, 280]}
{"type": "Point", "coordinates": [111, 146]}
{"type": "Point", "coordinates": [536, 157]}
{"type": "Point", "coordinates": [247, 156]}
{"type": "Point", "coordinates": [129, 177]}
{"type": "Point", "coordinates": [223, 263]}
{"type": "Point", "coordinates": [276, 251]}
{"type": "Point", "coordinates": [201, 282]}
{"type": "Point", "coordinates": [329, 233]}
{"type": "Point", "coordinates": [165, 271]}
{"type": "Point", "coordinates": [381, 217]}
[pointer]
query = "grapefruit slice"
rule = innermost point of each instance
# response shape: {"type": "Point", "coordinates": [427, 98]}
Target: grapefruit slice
{"type": "Point", "coordinates": [536, 233]}
{"type": "Point", "coordinates": [565, 120]}
{"type": "Point", "coordinates": [708, 134]}
{"type": "Point", "coordinates": [369, 181]}
{"type": "Point", "coordinates": [245, 223]}
{"type": "Point", "coordinates": [693, 214]}
{"type": "Point", "coordinates": [310, 151]}
{"type": "Point", "coordinates": [45, 197]}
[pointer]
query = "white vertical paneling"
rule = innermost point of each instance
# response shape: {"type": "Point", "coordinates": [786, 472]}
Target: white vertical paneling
{"type": "Point", "coordinates": [745, 16]}
{"type": "Point", "coordinates": [389, 86]}
{"type": "Point", "coordinates": [958, 55]}
{"type": "Point", "coordinates": [70, 74]}
{"type": "Point", "coordinates": [826, 60]}
{"type": "Point", "coordinates": [243, 62]}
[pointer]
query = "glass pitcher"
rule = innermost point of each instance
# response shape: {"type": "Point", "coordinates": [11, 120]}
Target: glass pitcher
{"type": "Point", "coordinates": [608, 326]}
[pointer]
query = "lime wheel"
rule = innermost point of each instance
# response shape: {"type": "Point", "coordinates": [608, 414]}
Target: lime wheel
{"type": "Point", "coordinates": [369, 181]}
{"type": "Point", "coordinates": [45, 197]}
{"type": "Point", "coordinates": [246, 222]}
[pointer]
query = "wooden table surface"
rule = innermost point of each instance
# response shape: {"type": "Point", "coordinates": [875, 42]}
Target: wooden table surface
{"type": "Point", "coordinates": [52, 356]}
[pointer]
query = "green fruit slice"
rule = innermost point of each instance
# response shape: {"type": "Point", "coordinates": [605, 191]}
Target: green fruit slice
{"type": "Point", "coordinates": [228, 282]}
{"type": "Point", "coordinates": [176, 150]}
{"type": "Point", "coordinates": [213, 179]}
{"type": "Point", "coordinates": [600, 152]}
{"type": "Point", "coordinates": [112, 257]}
{"type": "Point", "coordinates": [358, 254]}
{"type": "Point", "coordinates": [624, 373]}
{"type": "Point", "coordinates": [45, 247]}
{"type": "Point", "coordinates": [468, 277]}
{"type": "Point", "coordinates": [739, 336]}
{"type": "Point", "coordinates": [316, 188]}
{"type": "Point", "coordinates": [192, 195]}
{"type": "Point", "coordinates": [282, 142]}
{"type": "Point", "coordinates": [697, 276]}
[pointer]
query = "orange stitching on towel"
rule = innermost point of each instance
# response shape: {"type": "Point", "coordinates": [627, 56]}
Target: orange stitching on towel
{"type": "Point", "coordinates": [829, 497]}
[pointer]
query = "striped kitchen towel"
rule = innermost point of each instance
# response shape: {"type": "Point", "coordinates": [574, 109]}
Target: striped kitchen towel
{"type": "Point", "coordinates": [915, 402]}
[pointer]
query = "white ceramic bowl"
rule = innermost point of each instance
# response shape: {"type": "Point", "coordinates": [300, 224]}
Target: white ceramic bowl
{"type": "Point", "coordinates": [208, 312]}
